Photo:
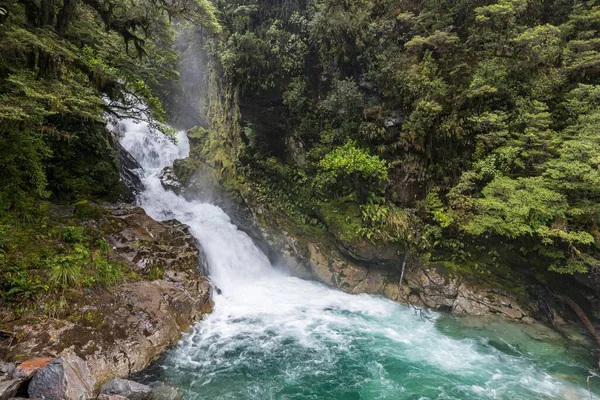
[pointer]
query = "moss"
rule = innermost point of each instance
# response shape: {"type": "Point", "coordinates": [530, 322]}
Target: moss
{"type": "Point", "coordinates": [155, 272]}
{"type": "Point", "coordinates": [87, 210]}
{"type": "Point", "coordinates": [342, 217]}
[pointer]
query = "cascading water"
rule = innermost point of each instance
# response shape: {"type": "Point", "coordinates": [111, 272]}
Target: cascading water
{"type": "Point", "coordinates": [273, 336]}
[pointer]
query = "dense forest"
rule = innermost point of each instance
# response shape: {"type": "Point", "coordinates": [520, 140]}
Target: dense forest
{"type": "Point", "coordinates": [297, 168]}
{"type": "Point", "coordinates": [65, 67]}
{"type": "Point", "coordinates": [463, 131]}
{"type": "Point", "coordinates": [466, 132]}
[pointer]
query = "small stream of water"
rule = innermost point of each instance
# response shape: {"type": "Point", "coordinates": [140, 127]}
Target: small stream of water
{"type": "Point", "coordinates": [273, 336]}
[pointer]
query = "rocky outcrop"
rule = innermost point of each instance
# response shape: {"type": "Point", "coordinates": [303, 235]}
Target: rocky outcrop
{"type": "Point", "coordinates": [128, 167]}
{"type": "Point", "coordinates": [421, 287]}
{"type": "Point", "coordinates": [121, 331]}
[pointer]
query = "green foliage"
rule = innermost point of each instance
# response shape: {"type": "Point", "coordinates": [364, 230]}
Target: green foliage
{"type": "Point", "coordinates": [348, 168]}
{"type": "Point", "coordinates": [386, 223]}
{"type": "Point", "coordinates": [72, 234]}
{"type": "Point", "coordinates": [63, 65]}
{"type": "Point", "coordinates": [42, 257]}
{"type": "Point", "coordinates": [66, 270]}
{"type": "Point", "coordinates": [484, 117]}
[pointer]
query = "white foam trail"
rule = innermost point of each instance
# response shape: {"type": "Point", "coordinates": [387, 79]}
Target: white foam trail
{"type": "Point", "coordinates": [264, 314]}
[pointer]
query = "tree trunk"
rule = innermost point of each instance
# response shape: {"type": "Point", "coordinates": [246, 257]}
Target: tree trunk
{"type": "Point", "coordinates": [47, 12]}
{"type": "Point", "coordinates": [64, 16]}
{"type": "Point", "coordinates": [584, 319]}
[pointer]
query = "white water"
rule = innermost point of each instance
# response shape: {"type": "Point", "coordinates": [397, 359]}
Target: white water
{"type": "Point", "coordinates": [275, 336]}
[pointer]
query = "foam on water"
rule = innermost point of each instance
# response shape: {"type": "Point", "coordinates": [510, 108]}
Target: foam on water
{"type": "Point", "coordinates": [275, 336]}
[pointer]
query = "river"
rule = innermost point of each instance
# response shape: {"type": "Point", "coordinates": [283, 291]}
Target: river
{"type": "Point", "coordinates": [274, 336]}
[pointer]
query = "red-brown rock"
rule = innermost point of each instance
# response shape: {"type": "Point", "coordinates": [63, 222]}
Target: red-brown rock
{"type": "Point", "coordinates": [28, 368]}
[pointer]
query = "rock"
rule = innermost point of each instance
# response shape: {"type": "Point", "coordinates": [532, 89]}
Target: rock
{"type": "Point", "coordinates": [165, 392]}
{"type": "Point", "coordinates": [364, 250]}
{"type": "Point", "coordinates": [348, 274]}
{"type": "Point", "coordinates": [373, 283]}
{"type": "Point", "coordinates": [66, 378]}
{"type": "Point", "coordinates": [126, 388]}
{"type": "Point", "coordinates": [169, 181]}
{"type": "Point", "coordinates": [482, 301]}
{"type": "Point", "coordinates": [28, 368]}
{"type": "Point", "coordinates": [9, 389]}
{"type": "Point", "coordinates": [111, 397]}
{"type": "Point", "coordinates": [121, 331]}
{"type": "Point", "coordinates": [128, 166]}
{"type": "Point", "coordinates": [6, 370]}
{"type": "Point", "coordinates": [320, 265]}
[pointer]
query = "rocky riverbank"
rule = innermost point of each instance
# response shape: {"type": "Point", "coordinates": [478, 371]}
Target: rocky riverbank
{"type": "Point", "coordinates": [110, 333]}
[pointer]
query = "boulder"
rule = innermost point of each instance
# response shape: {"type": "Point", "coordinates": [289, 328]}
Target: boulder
{"type": "Point", "coordinates": [28, 368]}
{"type": "Point", "coordinates": [168, 179]}
{"type": "Point", "coordinates": [9, 389]}
{"type": "Point", "coordinates": [126, 388]}
{"type": "Point", "coordinates": [65, 378]}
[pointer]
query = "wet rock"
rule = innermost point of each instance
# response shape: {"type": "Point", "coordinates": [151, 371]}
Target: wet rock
{"type": "Point", "coordinates": [143, 242]}
{"type": "Point", "coordinates": [128, 389]}
{"type": "Point", "coordinates": [433, 289]}
{"type": "Point", "coordinates": [168, 179]}
{"type": "Point", "coordinates": [150, 317]}
{"type": "Point", "coordinates": [66, 378]}
{"type": "Point", "coordinates": [319, 265]}
{"type": "Point", "coordinates": [366, 251]}
{"type": "Point", "coordinates": [373, 283]}
{"type": "Point", "coordinates": [348, 274]}
{"type": "Point", "coordinates": [482, 301]}
{"type": "Point", "coordinates": [128, 170]}
{"type": "Point", "coordinates": [9, 389]}
{"type": "Point", "coordinates": [28, 368]}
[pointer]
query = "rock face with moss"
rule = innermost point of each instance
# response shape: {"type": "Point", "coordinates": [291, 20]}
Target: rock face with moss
{"type": "Point", "coordinates": [121, 330]}
{"type": "Point", "coordinates": [325, 258]}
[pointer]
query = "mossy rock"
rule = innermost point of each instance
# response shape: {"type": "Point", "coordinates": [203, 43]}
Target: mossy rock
{"type": "Point", "coordinates": [343, 220]}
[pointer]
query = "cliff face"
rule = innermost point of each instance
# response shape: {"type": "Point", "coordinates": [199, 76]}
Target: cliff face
{"type": "Point", "coordinates": [122, 330]}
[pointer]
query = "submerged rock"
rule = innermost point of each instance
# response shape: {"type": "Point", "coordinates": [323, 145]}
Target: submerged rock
{"type": "Point", "coordinates": [65, 378]}
{"type": "Point", "coordinates": [126, 388]}
{"type": "Point", "coordinates": [164, 392]}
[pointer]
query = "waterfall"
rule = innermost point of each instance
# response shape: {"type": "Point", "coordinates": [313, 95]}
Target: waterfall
{"type": "Point", "coordinates": [274, 336]}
